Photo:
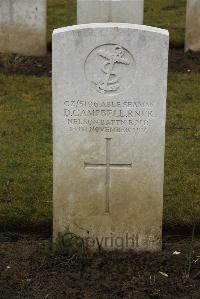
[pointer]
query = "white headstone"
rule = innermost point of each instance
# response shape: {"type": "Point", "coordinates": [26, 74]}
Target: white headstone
{"type": "Point", "coordinates": [23, 27]}
{"type": "Point", "coordinates": [109, 105]}
{"type": "Point", "coordinates": [192, 41]}
{"type": "Point", "coordinates": [102, 11]}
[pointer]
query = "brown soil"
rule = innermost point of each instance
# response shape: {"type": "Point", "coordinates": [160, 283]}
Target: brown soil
{"type": "Point", "coordinates": [30, 269]}
{"type": "Point", "coordinates": [26, 65]}
{"type": "Point", "coordinates": [41, 66]}
{"type": "Point", "coordinates": [181, 62]}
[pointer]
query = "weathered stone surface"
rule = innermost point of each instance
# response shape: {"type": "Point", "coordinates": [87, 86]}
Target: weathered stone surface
{"type": "Point", "coordinates": [102, 11]}
{"type": "Point", "coordinates": [23, 27]}
{"type": "Point", "coordinates": [192, 41]}
{"type": "Point", "coordinates": [109, 104]}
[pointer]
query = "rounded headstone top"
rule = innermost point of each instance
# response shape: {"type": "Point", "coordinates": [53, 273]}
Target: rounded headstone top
{"type": "Point", "coordinates": [112, 25]}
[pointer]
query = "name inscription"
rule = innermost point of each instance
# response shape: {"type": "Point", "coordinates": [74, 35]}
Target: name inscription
{"type": "Point", "coordinates": [125, 116]}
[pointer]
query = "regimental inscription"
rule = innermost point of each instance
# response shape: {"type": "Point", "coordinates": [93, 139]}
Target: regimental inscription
{"type": "Point", "coordinates": [110, 69]}
{"type": "Point", "coordinates": [107, 166]}
{"type": "Point", "coordinates": [109, 116]}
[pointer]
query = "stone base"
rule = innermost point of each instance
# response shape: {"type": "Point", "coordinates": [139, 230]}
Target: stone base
{"type": "Point", "coordinates": [102, 11]}
{"type": "Point", "coordinates": [23, 27]}
{"type": "Point", "coordinates": [192, 40]}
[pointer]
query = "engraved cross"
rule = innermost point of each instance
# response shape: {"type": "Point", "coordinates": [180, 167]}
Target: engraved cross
{"type": "Point", "coordinates": [108, 166]}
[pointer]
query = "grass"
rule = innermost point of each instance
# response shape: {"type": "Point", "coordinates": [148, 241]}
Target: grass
{"type": "Point", "coordinates": [60, 13]}
{"type": "Point", "coordinates": [182, 163]}
{"type": "Point", "coordinates": [25, 149]}
{"type": "Point", "coordinates": [167, 14]}
{"type": "Point", "coordinates": [26, 152]}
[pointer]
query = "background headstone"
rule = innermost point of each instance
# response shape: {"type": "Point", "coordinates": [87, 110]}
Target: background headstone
{"type": "Point", "coordinates": [109, 105]}
{"type": "Point", "coordinates": [23, 27]}
{"type": "Point", "coordinates": [102, 11]}
{"type": "Point", "coordinates": [192, 41]}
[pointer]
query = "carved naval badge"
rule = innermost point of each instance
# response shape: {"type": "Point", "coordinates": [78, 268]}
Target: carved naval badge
{"type": "Point", "coordinates": [111, 78]}
{"type": "Point", "coordinates": [110, 69]}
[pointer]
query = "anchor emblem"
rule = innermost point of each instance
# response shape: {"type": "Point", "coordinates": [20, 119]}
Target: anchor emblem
{"type": "Point", "coordinates": [111, 81]}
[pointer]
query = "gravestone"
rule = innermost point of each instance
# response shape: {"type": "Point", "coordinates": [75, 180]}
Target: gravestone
{"type": "Point", "coordinates": [192, 41]}
{"type": "Point", "coordinates": [23, 27]}
{"type": "Point", "coordinates": [109, 105]}
{"type": "Point", "coordinates": [102, 11]}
